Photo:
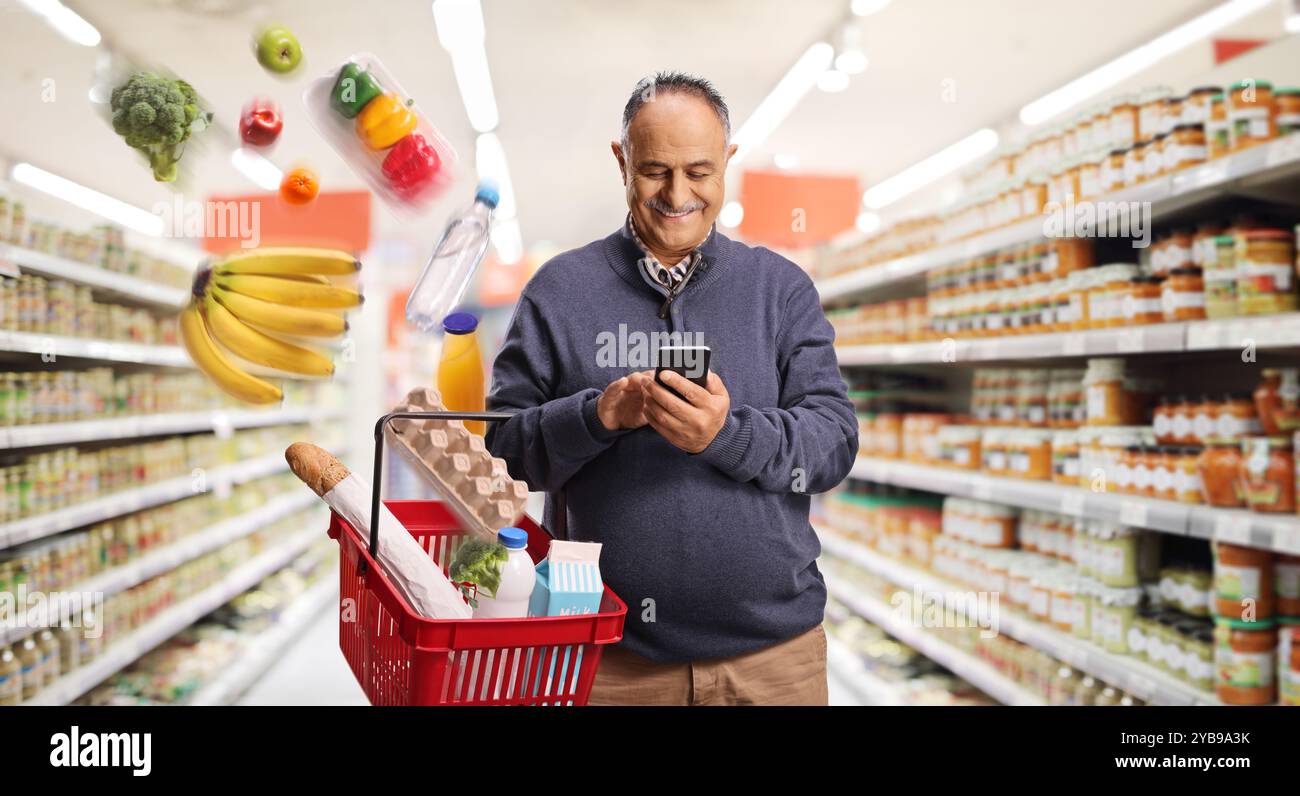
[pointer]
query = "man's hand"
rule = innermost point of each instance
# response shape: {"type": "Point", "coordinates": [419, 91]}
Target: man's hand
{"type": "Point", "coordinates": [690, 424]}
{"type": "Point", "coordinates": [622, 403]}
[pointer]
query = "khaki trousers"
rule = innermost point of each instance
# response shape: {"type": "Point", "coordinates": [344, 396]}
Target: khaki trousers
{"type": "Point", "coordinates": [789, 673]}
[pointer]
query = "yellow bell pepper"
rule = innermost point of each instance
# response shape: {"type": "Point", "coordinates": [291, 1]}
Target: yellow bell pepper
{"type": "Point", "coordinates": [384, 121]}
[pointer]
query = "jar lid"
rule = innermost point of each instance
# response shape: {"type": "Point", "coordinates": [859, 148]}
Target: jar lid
{"type": "Point", "coordinates": [1251, 83]}
{"type": "Point", "coordinates": [1185, 271]}
{"type": "Point", "coordinates": [1205, 90]}
{"type": "Point", "coordinates": [1190, 126]}
{"type": "Point", "coordinates": [1287, 91]}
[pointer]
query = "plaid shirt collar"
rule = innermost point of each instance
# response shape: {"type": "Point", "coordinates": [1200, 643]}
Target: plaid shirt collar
{"type": "Point", "coordinates": [657, 271]}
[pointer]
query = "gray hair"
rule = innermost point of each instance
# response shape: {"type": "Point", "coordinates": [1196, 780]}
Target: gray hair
{"type": "Point", "coordinates": [674, 83]}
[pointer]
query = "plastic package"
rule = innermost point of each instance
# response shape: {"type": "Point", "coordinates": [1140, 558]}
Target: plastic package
{"type": "Point", "coordinates": [384, 152]}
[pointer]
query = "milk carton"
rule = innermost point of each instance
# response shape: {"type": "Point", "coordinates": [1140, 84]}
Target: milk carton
{"type": "Point", "coordinates": [568, 581]}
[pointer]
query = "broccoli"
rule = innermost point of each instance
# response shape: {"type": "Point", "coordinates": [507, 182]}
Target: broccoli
{"type": "Point", "coordinates": [479, 562]}
{"type": "Point", "coordinates": [156, 115]}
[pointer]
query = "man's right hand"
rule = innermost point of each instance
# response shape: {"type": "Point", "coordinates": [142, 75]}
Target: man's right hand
{"type": "Point", "coordinates": [622, 404]}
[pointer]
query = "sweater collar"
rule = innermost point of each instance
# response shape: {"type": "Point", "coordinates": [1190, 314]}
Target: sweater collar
{"type": "Point", "coordinates": [624, 256]}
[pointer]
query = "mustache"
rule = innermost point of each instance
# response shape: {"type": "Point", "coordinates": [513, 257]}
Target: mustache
{"type": "Point", "coordinates": [655, 203]}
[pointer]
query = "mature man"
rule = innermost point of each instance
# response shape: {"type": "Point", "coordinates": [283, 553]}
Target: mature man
{"type": "Point", "coordinates": [702, 500]}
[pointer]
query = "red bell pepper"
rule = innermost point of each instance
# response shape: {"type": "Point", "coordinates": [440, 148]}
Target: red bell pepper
{"type": "Point", "coordinates": [411, 166]}
{"type": "Point", "coordinates": [260, 123]}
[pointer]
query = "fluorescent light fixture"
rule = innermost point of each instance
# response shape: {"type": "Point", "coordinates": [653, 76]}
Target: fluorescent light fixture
{"type": "Point", "coordinates": [460, 24]}
{"type": "Point", "coordinates": [114, 210]}
{"type": "Point", "coordinates": [832, 81]}
{"type": "Point", "coordinates": [66, 21]}
{"type": "Point", "coordinates": [507, 240]}
{"type": "Point", "coordinates": [490, 161]}
{"type": "Point", "coordinates": [461, 33]}
{"type": "Point", "coordinates": [797, 82]}
{"type": "Point", "coordinates": [851, 62]}
{"type": "Point", "coordinates": [868, 223]}
{"type": "Point", "coordinates": [732, 214]}
{"type": "Point", "coordinates": [865, 8]}
{"type": "Point", "coordinates": [921, 174]}
{"type": "Point", "coordinates": [1292, 23]}
{"type": "Point", "coordinates": [1134, 61]}
{"type": "Point", "coordinates": [784, 161]}
{"type": "Point", "coordinates": [262, 172]}
{"type": "Point", "coordinates": [475, 83]}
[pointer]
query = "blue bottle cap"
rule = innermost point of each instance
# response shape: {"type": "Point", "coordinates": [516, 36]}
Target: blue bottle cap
{"type": "Point", "coordinates": [488, 193]}
{"type": "Point", "coordinates": [459, 323]}
{"type": "Point", "coordinates": [513, 538]}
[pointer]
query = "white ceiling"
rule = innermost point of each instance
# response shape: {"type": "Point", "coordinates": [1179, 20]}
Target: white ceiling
{"type": "Point", "coordinates": [562, 70]}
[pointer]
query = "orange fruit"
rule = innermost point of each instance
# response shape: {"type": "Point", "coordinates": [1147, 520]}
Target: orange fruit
{"type": "Point", "coordinates": [299, 186]}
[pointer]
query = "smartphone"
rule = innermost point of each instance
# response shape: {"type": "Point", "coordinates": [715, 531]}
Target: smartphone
{"type": "Point", "coordinates": [689, 361]}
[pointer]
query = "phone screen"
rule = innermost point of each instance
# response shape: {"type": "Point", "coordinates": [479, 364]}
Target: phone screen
{"type": "Point", "coordinates": [691, 362]}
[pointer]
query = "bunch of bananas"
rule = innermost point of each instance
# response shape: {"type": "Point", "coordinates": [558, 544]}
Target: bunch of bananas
{"type": "Point", "coordinates": [248, 302]}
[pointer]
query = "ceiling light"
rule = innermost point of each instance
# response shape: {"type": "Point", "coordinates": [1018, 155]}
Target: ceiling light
{"type": "Point", "coordinates": [475, 83]}
{"type": "Point", "coordinates": [932, 168]}
{"type": "Point", "coordinates": [732, 214]}
{"type": "Point", "coordinates": [783, 161]}
{"type": "Point", "coordinates": [262, 172]}
{"type": "Point", "coordinates": [490, 161]}
{"type": "Point", "coordinates": [832, 81]}
{"type": "Point", "coordinates": [1134, 61]}
{"type": "Point", "coordinates": [784, 96]}
{"type": "Point", "coordinates": [65, 21]}
{"type": "Point", "coordinates": [868, 223]}
{"type": "Point", "coordinates": [851, 62]}
{"type": "Point", "coordinates": [114, 210]}
{"type": "Point", "coordinates": [460, 24]}
{"type": "Point", "coordinates": [1292, 21]}
{"type": "Point", "coordinates": [507, 240]}
{"type": "Point", "coordinates": [865, 8]}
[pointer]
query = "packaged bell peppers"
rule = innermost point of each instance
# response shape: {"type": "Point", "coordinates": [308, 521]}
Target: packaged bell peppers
{"type": "Point", "coordinates": [375, 126]}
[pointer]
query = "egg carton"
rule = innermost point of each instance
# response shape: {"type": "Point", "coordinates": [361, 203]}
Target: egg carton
{"type": "Point", "coordinates": [456, 463]}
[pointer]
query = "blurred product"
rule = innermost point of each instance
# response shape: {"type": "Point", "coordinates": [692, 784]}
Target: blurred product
{"type": "Point", "coordinates": [460, 370]}
{"type": "Point", "coordinates": [455, 259]}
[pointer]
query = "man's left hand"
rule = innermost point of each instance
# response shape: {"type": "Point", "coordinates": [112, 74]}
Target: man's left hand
{"type": "Point", "coordinates": [689, 424]}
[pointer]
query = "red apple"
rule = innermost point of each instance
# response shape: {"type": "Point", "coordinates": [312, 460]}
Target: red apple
{"type": "Point", "coordinates": [260, 123]}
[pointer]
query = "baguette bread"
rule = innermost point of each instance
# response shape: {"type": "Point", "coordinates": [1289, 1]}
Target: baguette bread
{"type": "Point", "coordinates": [315, 466]}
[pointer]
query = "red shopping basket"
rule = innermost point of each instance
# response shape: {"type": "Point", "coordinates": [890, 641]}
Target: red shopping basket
{"type": "Point", "coordinates": [402, 658]}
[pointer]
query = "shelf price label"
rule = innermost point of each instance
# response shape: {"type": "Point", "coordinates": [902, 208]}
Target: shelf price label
{"type": "Point", "coordinates": [1133, 513]}
{"type": "Point", "coordinates": [1132, 341]}
{"type": "Point", "coordinates": [9, 268]}
{"type": "Point", "coordinates": [1283, 150]}
{"type": "Point", "coordinates": [1074, 345]}
{"type": "Point", "coordinates": [1233, 528]}
{"type": "Point", "coordinates": [1072, 503]}
{"type": "Point", "coordinates": [982, 490]}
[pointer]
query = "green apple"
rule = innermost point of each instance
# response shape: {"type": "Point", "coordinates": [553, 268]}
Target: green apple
{"type": "Point", "coordinates": [278, 49]}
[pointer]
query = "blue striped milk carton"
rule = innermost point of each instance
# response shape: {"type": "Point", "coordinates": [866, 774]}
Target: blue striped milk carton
{"type": "Point", "coordinates": [568, 581]}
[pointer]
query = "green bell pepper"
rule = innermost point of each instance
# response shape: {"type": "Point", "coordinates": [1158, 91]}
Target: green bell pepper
{"type": "Point", "coordinates": [353, 89]}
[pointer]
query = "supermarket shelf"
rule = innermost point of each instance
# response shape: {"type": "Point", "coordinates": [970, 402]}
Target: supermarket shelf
{"type": "Point", "coordinates": [1139, 679]}
{"type": "Point", "coordinates": [86, 348]}
{"type": "Point", "coordinates": [971, 669]}
{"type": "Point", "coordinates": [172, 621]}
{"type": "Point", "coordinates": [269, 645]}
{"type": "Point", "coordinates": [844, 664]}
{"type": "Point", "coordinates": [219, 480]}
{"type": "Point", "coordinates": [1280, 532]}
{"type": "Point", "coordinates": [1272, 331]}
{"type": "Point", "coordinates": [217, 420]}
{"type": "Point", "coordinates": [1239, 172]}
{"type": "Point", "coordinates": [123, 285]}
{"type": "Point", "coordinates": [121, 578]}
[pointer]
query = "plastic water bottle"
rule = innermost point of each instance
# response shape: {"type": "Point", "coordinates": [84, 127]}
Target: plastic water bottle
{"type": "Point", "coordinates": [458, 254]}
{"type": "Point", "coordinates": [517, 579]}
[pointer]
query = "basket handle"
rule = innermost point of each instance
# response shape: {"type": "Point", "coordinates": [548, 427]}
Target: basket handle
{"type": "Point", "coordinates": [561, 514]}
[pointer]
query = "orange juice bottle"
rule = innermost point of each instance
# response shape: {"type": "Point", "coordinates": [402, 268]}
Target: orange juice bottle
{"type": "Point", "coordinates": [460, 372]}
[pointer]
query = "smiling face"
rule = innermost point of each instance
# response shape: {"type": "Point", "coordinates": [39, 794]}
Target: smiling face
{"type": "Point", "coordinates": [673, 171]}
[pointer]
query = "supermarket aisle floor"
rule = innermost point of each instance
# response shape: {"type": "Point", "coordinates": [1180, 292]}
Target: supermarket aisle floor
{"type": "Point", "coordinates": [312, 672]}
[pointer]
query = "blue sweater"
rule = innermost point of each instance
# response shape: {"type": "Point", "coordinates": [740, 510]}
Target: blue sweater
{"type": "Point", "coordinates": [712, 552]}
